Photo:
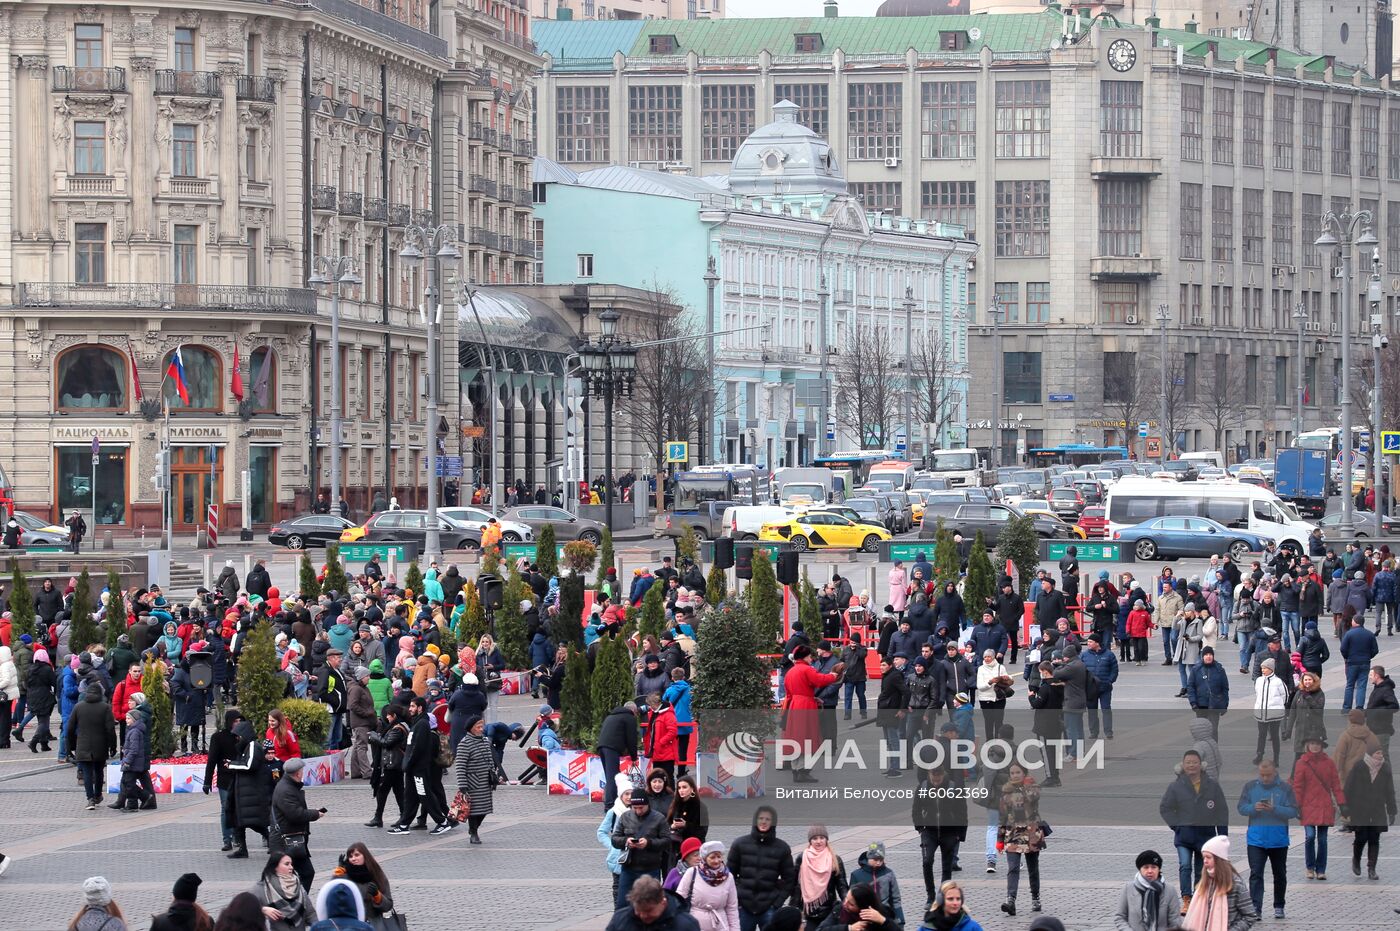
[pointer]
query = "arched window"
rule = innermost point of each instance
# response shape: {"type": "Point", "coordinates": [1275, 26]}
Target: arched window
{"type": "Point", "coordinates": [262, 380]}
{"type": "Point", "coordinates": [91, 378]}
{"type": "Point", "coordinates": [204, 380]}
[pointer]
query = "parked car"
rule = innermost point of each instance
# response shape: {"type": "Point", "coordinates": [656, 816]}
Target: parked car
{"type": "Point", "coordinates": [1092, 490]}
{"type": "Point", "coordinates": [1363, 524]}
{"type": "Point", "coordinates": [706, 522]}
{"type": "Point", "coordinates": [1094, 522]}
{"type": "Point", "coordinates": [1170, 537]}
{"type": "Point", "coordinates": [1067, 502]}
{"type": "Point", "coordinates": [905, 504]}
{"type": "Point", "coordinates": [744, 521]}
{"type": "Point", "coordinates": [1185, 470]}
{"type": "Point", "coordinates": [871, 511]}
{"type": "Point", "coordinates": [412, 527]}
{"type": "Point", "coordinates": [566, 526]}
{"type": "Point", "coordinates": [891, 515]}
{"type": "Point", "coordinates": [512, 531]}
{"type": "Point", "coordinates": [308, 530]}
{"type": "Point", "coordinates": [39, 532]}
{"type": "Point", "coordinates": [822, 529]}
{"type": "Point", "coordinates": [968, 518]}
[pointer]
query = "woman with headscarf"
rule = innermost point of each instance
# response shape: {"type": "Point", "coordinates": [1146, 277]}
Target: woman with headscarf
{"type": "Point", "coordinates": [474, 766]}
{"type": "Point", "coordinates": [281, 896]}
{"type": "Point", "coordinates": [1221, 900]}
{"type": "Point", "coordinates": [821, 878]}
{"type": "Point", "coordinates": [405, 651]}
{"type": "Point", "coordinates": [709, 890]}
{"type": "Point", "coordinates": [432, 587]}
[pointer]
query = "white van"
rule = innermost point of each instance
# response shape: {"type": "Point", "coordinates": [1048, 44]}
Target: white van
{"type": "Point", "coordinates": [1134, 499]}
{"type": "Point", "coordinates": [1203, 458]}
{"type": "Point", "coordinates": [743, 521]}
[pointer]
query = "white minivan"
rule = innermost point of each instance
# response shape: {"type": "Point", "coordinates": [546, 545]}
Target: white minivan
{"type": "Point", "coordinates": [1134, 499]}
{"type": "Point", "coordinates": [1203, 458]}
{"type": "Point", "coordinates": [743, 521]}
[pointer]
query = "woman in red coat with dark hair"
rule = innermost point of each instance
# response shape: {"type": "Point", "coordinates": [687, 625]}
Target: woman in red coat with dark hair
{"type": "Point", "coordinates": [803, 726]}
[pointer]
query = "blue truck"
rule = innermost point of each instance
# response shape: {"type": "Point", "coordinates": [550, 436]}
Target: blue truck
{"type": "Point", "coordinates": [1301, 477]}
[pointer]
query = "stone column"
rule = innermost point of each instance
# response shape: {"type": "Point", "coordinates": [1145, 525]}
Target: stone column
{"type": "Point", "coordinates": [228, 154]}
{"type": "Point", "coordinates": [33, 167]}
{"type": "Point", "coordinates": [143, 172]}
{"type": "Point", "coordinates": [284, 162]}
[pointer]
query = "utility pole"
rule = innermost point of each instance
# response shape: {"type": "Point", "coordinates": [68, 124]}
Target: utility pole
{"type": "Point", "coordinates": [823, 295]}
{"type": "Point", "coordinates": [1163, 315]}
{"type": "Point", "coordinates": [1378, 340]}
{"type": "Point", "coordinates": [909, 371]}
{"type": "Point", "coordinates": [1300, 317]}
{"type": "Point", "coordinates": [707, 423]}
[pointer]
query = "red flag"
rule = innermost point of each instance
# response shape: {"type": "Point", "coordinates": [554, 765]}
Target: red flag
{"type": "Point", "coordinates": [236, 380]}
{"type": "Point", "coordinates": [135, 375]}
{"type": "Point", "coordinates": [1307, 395]}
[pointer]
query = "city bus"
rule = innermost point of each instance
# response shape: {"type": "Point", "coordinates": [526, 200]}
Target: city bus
{"type": "Point", "coordinates": [1134, 499]}
{"type": "Point", "coordinates": [1329, 438]}
{"type": "Point", "coordinates": [854, 465]}
{"type": "Point", "coordinates": [1076, 454]}
{"type": "Point", "coordinates": [741, 484]}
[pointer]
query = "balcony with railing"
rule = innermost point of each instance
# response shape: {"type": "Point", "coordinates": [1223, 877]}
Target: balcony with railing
{"type": "Point", "coordinates": [476, 184]}
{"type": "Point", "coordinates": [90, 80]}
{"type": "Point", "coordinates": [169, 296]}
{"type": "Point", "coordinates": [171, 83]}
{"type": "Point", "coordinates": [423, 217]}
{"type": "Point", "coordinates": [90, 185]}
{"type": "Point", "coordinates": [256, 87]}
{"type": "Point", "coordinates": [376, 209]}
{"type": "Point", "coordinates": [257, 190]}
{"type": "Point", "coordinates": [505, 142]}
{"type": "Point", "coordinates": [189, 187]}
{"type": "Point", "coordinates": [323, 197]}
{"type": "Point", "coordinates": [525, 148]}
{"type": "Point", "coordinates": [489, 135]}
{"type": "Point", "coordinates": [352, 205]}
{"type": "Point", "coordinates": [400, 214]}
{"type": "Point", "coordinates": [491, 239]}
{"type": "Point", "coordinates": [505, 193]}
{"type": "Point", "coordinates": [524, 197]}
{"type": "Point", "coordinates": [1124, 268]}
{"type": "Point", "coordinates": [476, 131]}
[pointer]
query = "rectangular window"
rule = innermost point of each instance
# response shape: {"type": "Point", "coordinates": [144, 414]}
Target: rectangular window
{"type": "Point", "coordinates": [255, 256]}
{"type": "Point", "coordinates": [1120, 218]}
{"type": "Point", "coordinates": [1022, 218]}
{"type": "Point", "coordinates": [1008, 295]}
{"type": "Point", "coordinates": [1190, 376]}
{"type": "Point", "coordinates": [251, 155]}
{"type": "Point", "coordinates": [1282, 395]}
{"type": "Point", "coordinates": [1283, 227]}
{"type": "Point", "coordinates": [1021, 377]}
{"type": "Point", "coordinates": [585, 265]}
{"type": "Point", "coordinates": [662, 45]}
{"type": "Point", "coordinates": [1392, 145]}
{"type": "Point", "coordinates": [1252, 226]}
{"type": "Point", "coordinates": [1190, 309]}
{"type": "Point", "coordinates": [807, 42]}
{"type": "Point", "coordinates": [1118, 300]}
{"type": "Point", "coordinates": [654, 119]}
{"type": "Point", "coordinates": [1251, 376]}
{"type": "Point", "coordinates": [1192, 121]}
{"type": "Point", "coordinates": [1037, 302]}
{"type": "Point", "coordinates": [90, 253]}
{"type": "Point", "coordinates": [1119, 376]}
{"type": "Point", "coordinates": [581, 124]}
{"type": "Point", "coordinates": [1341, 137]}
{"type": "Point", "coordinates": [1392, 236]}
{"type": "Point", "coordinates": [184, 48]}
{"type": "Point", "coordinates": [726, 119]}
{"type": "Point", "coordinates": [415, 390]}
{"type": "Point", "coordinates": [951, 202]}
{"type": "Point", "coordinates": [1370, 142]}
{"type": "Point", "coordinates": [89, 148]}
{"type": "Point", "coordinates": [812, 99]}
{"type": "Point", "coordinates": [1312, 228]}
{"type": "Point", "coordinates": [1120, 119]}
{"type": "Point", "coordinates": [1222, 306]}
{"type": "Point", "coordinates": [185, 254]}
{"type": "Point", "coordinates": [949, 119]}
{"type": "Point", "coordinates": [1312, 135]}
{"type": "Point", "coordinates": [1222, 127]}
{"type": "Point", "coordinates": [1023, 119]}
{"type": "Point", "coordinates": [1222, 223]}
{"type": "Point", "coordinates": [367, 383]}
{"type": "Point", "coordinates": [87, 46]}
{"type": "Point", "coordinates": [874, 120]}
{"type": "Point", "coordinates": [184, 151]}
{"type": "Point", "coordinates": [1283, 131]}
{"type": "Point", "coordinates": [1252, 129]}
{"type": "Point", "coordinates": [1191, 209]}
{"type": "Point", "coordinates": [1254, 308]}
{"type": "Point", "coordinates": [883, 196]}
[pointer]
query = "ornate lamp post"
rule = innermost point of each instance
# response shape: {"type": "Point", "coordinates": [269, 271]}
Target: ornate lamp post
{"type": "Point", "coordinates": [609, 369]}
{"type": "Point", "coordinates": [335, 271]}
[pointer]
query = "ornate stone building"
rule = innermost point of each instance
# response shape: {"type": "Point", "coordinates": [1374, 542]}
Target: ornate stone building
{"type": "Point", "coordinates": [170, 175]}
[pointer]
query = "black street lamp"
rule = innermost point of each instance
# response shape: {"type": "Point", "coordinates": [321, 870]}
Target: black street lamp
{"type": "Point", "coordinates": [609, 368]}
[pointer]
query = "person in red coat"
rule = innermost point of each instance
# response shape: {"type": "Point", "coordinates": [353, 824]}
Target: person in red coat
{"type": "Point", "coordinates": [802, 709]}
{"type": "Point", "coordinates": [1318, 788]}
{"type": "Point", "coordinates": [662, 735]}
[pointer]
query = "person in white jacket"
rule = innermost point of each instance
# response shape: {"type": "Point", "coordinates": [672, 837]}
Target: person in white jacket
{"type": "Point", "coordinates": [9, 691]}
{"type": "Point", "coordinates": [1270, 708]}
{"type": "Point", "coordinates": [709, 888]}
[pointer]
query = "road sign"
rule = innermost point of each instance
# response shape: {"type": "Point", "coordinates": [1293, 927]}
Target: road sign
{"type": "Point", "coordinates": [1086, 552]}
{"type": "Point", "coordinates": [473, 432]}
{"type": "Point", "coordinates": [446, 466]}
{"type": "Point", "coordinates": [1143, 428]}
{"type": "Point", "coordinates": [1061, 397]}
{"type": "Point", "coordinates": [677, 451]}
{"type": "Point", "coordinates": [361, 552]}
{"type": "Point", "coordinates": [1154, 447]}
{"type": "Point", "coordinates": [96, 445]}
{"type": "Point", "coordinates": [831, 429]}
{"type": "Point", "coordinates": [1390, 442]}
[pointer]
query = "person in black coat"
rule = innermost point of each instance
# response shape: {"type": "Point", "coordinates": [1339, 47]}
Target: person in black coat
{"type": "Point", "coordinates": [616, 738]}
{"type": "Point", "coordinates": [959, 675]}
{"type": "Point", "coordinates": [419, 767]}
{"type": "Point", "coordinates": [92, 740]}
{"type": "Point", "coordinates": [250, 801]}
{"type": "Point", "coordinates": [468, 701]}
{"type": "Point", "coordinates": [940, 817]}
{"type": "Point", "coordinates": [189, 707]}
{"type": "Point", "coordinates": [949, 608]}
{"type": "Point", "coordinates": [184, 913]}
{"type": "Point", "coordinates": [891, 708]}
{"type": "Point", "coordinates": [41, 690]}
{"type": "Point", "coordinates": [48, 602]}
{"type": "Point", "coordinates": [223, 747]}
{"type": "Point", "coordinates": [763, 869]}
{"type": "Point", "coordinates": [387, 755]}
{"type": "Point", "coordinates": [258, 581]}
{"type": "Point", "coordinates": [291, 817]}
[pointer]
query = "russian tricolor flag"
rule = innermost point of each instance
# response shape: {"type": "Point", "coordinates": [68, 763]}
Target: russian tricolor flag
{"type": "Point", "coordinates": [175, 371]}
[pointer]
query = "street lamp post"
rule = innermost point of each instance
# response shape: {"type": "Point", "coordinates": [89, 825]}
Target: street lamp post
{"type": "Point", "coordinates": [335, 271]}
{"type": "Point", "coordinates": [435, 243]}
{"type": "Point", "coordinates": [909, 371]}
{"type": "Point", "coordinates": [1300, 317]}
{"type": "Point", "coordinates": [823, 294]}
{"type": "Point", "coordinates": [1340, 232]}
{"type": "Point", "coordinates": [1163, 315]}
{"type": "Point", "coordinates": [609, 368]}
{"type": "Point", "coordinates": [995, 311]}
{"type": "Point", "coordinates": [1373, 297]}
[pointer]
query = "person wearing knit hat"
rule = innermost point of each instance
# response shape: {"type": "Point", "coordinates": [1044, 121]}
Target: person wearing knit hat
{"type": "Point", "coordinates": [184, 911]}
{"type": "Point", "coordinates": [99, 911]}
{"type": "Point", "coordinates": [821, 876]}
{"type": "Point", "coordinates": [1220, 898]}
{"type": "Point", "coordinates": [690, 856]}
{"type": "Point", "coordinates": [1147, 903]}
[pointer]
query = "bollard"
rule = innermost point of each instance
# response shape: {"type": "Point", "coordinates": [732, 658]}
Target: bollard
{"type": "Point", "coordinates": [870, 586]}
{"type": "Point", "coordinates": [247, 567]}
{"type": "Point", "coordinates": [208, 571]}
{"type": "Point", "coordinates": [108, 544]}
{"type": "Point", "coordinates": [394, 561]}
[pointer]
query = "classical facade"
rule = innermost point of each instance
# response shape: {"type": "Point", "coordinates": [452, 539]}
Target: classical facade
{"type": "Point", "coordinates": [170, 176]}
{"type": "Point", "coordinates": [804, 274]}
{"type": "Point", "coordinates": [1107, 172]}
{"type": "Point", "coordinates": [627, 9]}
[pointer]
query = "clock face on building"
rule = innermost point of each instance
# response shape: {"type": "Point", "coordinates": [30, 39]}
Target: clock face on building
{"type": "Point", "coordinates": [1122, 55]}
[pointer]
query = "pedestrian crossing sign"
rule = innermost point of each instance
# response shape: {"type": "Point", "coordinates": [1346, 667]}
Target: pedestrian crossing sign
{"type": "Point", "coordinates": [1390, 442]}
{"type": "Point", "coordinates": [677, 452]}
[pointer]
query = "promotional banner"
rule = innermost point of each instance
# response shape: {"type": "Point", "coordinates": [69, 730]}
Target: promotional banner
{"type": "Point", "coordinates": [189, 777]}
{"type": "Point", "coordinates": [577, 772]}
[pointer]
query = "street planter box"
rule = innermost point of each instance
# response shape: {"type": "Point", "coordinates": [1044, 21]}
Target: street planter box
{"type": "Point", "coordinates": [189, 778]}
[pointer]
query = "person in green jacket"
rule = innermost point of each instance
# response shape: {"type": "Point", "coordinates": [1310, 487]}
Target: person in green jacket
{"type": "Point", "coordinates": [380, 688]}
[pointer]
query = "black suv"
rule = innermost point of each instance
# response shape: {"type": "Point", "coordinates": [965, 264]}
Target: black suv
{"type": "Point", "coordinates": [968, 518]}
{"type": "Point", "coordinates": [412, 527]}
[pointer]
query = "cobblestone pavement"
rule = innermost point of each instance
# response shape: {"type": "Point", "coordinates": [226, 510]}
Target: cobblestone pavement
{"type": "Point", "coordinates": [541, 866]}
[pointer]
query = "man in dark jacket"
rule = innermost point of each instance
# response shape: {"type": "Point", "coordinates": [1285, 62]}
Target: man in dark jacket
{"type": "Point", "coordinates": [1049, 605]}
{"type": "Point", "coordinates": [1208, 690]}
{"type": "Point", "coordinates": [250, 801]}
{"type": "Point", "coordinates": [419, 766]}
{"type": "Point", "coordinates": [1098, 658]}
{"type": "Point", "coordinates": [1010, 611]}
{"type": "Point", "coordinates": [360, 710]}
{"type": "Point", "coordinates": [1381, 706]}
{"type": "Point", "coordinates": [293, 818]}
{"type": "Point", "coordinates": [648, 908]}
{"type": "Point", "coordinates": [644, 835]}
{"type": "Point", "coordinates": [989, 635]}
{"type": "Point", "coordinates": [891, 710]}
{"type": "Point", "coordinates": [1194, 807]}
{"type": "Point", "coordinates": [763, 870]}
{"type": "Point", "coordinates": [1358, 648]}
{"type": "Point", "coordinates": [92, 739]}
{"type": "Point", "coordinates": [48, 602]}
{"type": "Point", "coordinates": [258, 581]}
{"type": "Point", "coordinates": [958, 674]}
{"type": "Point", "coordinates": [906, 640]}
{"type": "Point", "coordinates": [617, 737]}
{"type": "Point", "coordinates": [1075, 677]}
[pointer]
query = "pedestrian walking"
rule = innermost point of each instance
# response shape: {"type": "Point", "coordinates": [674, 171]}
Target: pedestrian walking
{"type": "Point", "coordinates": [1269, 804]}
{"type": "Point", "coordinates": [873, 871]}
{"type": "Point", "coordinates": [762, 865]}
{"type": "Point", "coordinates": [281, 896]}
{"type": "Point", "coordinates": [948, 912]}
{"type": "Point", "coordinates": [184, 913]}
{"type": "Point", "coordinates": [42, 698]}
{"type": "Point", "coordinates": [359, 866]}
{"type": "Point", "coordinates": [290, 831]}
{"type": "Point", "coordinates": [1219, 900]}
{"type": "Point", "coordinates": [1147, 903]}
{"type": "Point", "coordinates": [340, 907]}
{"type": "Point", "coordinates": [617, 738]}
{"type": "Point", "coordinates": [648, 908]}
{"type": "Point", "coordinates": [821, 878]}
{"type": "Point", "coordinates": [99, 912]}
{"type": "Point", "coordinates": [1318, 788]}
{"type": "Point", "coordinates": [421, 769]}
{"type": "Point", "coordinates": [709, 890]}
{"type": "Point", "coordinates": [1270, 708]}
{"type": "Point", "coordinates": [77, 529]}
{"type": "Point", "coordinates": [1194, 807]}
{"type": "Point", "coordinates": [854, 677]}
{"type": "Point", "coordinates": [1358, 649]}
{"type": "Point", "coordinates": [1370, 794]}
{"type": "Point", "coordinates": [940, 817]}
{"type": "Point", "coordinates": [474, 768]}
{"type": "Point", "coordinates": [645, 839]}
{"type": "Point", "coordinates": [387, 758]}
{"type": "Point", "coordinates": [1020, 834]}
{"type": "Point", "coordinates": [361, 718]}
{"type": "Point", "coordinates": [92, 739]}
{"type": "Point", "coordinates": [993, 687]}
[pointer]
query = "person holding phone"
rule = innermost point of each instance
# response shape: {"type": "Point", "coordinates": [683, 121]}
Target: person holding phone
{"type": "Point", "coordinates": [1269, 804]}
{"type": "Point", "coordinates": [644, 837]}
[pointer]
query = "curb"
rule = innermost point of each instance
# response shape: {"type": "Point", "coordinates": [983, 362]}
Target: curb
{"type": "Point", "coordinates": [56, 767]}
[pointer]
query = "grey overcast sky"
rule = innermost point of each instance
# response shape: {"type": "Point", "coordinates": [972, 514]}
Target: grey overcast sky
{"type": "Point", "coordinates": [754, 8]}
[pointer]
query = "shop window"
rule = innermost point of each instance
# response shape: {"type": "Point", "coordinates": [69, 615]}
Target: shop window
{"type": "Point", "coordinates": [91, 378]}
{"type": "Point", "coordinates": [262, 375]}
{"type": "Point", "coordinates": [262, 483]}
{"type": "Point", "coordinates": [75, 474]}
{"type": "Point", "coordinates": [204, 378]}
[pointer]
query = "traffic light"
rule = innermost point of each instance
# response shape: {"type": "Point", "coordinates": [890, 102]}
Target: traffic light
{"type": "Point", "coordinates": [724, 552]}
{"type": "Point", "coordinates": [162, 469]}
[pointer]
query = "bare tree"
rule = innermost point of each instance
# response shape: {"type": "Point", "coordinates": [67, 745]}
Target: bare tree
{"type": "Point", "coordinates": [1127, 393]}
{"type": "Point", "coordinates": [668, 397]}
{"type": "Point", "coordinates": [1221, 402]}
{"type": "Point", "coordinates": [869, 383]}
{"type": "Point", "coordinates": [936, 399]}
{"type": "Point", "coordinates": [1176, 412]}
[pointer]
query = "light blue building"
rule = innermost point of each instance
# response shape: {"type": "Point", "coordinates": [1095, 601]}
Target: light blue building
{"type": "Point", "coordinates": [820, 303]}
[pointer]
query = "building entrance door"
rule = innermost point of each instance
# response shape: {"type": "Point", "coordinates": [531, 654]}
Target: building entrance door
{"type": "Point", "coordinates": [192, 483]}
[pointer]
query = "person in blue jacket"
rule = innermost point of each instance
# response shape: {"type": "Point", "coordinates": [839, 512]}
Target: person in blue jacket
{"type": "Point", "coordinates": [1099, 660]}
{"type": "Point", "coordinates": [1208, 690]}
{"type": "Point", "coordinates": [1384, 590]}
{"type": "Point", "coordinates": [68, 695]}
{"type": "Point", "coordinates": [1358, 648]}
{"type": "Point", "coordinates": [677, 695]}
{"type": "Point", "coordinates": [1269, 804]}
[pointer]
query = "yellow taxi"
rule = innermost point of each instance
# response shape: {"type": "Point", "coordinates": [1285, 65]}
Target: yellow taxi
{"type": "Point", "coordinates": [1041, 509]}
{"type": "Point", "coordinates": [353, 534]}
{"type": "Point", "coordinates": [824, 530]}
{"type": "Point", "coordinates": [917, 501]}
